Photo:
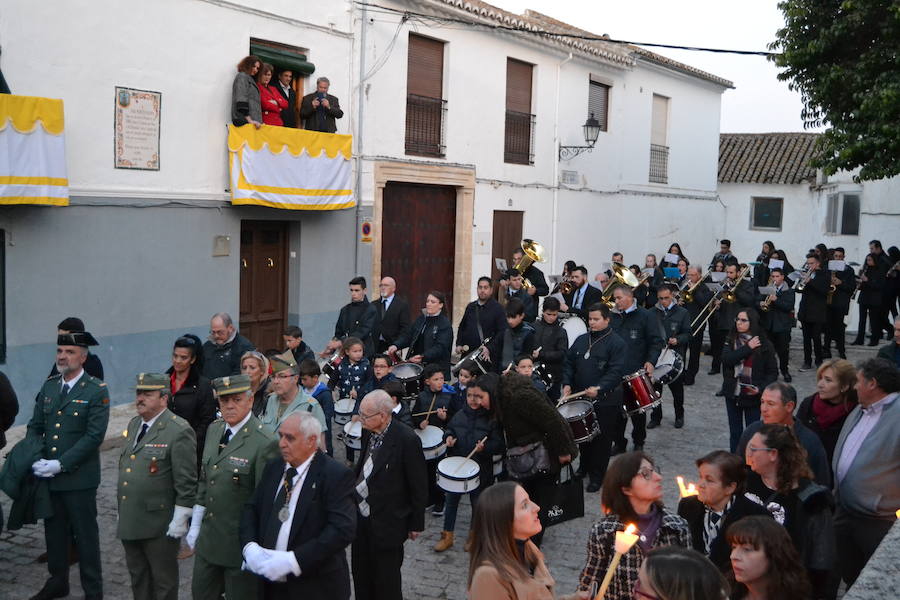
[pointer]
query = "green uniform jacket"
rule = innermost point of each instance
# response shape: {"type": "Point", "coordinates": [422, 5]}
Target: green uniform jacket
{"type": "Point", "coordinates": [227, 481]}
{"type": "Point", "coordinates": [158, 474]}
{"type": "Point", "coordinates": [72, 430]}
{"type": "Point", "coordinates": [301, 402]}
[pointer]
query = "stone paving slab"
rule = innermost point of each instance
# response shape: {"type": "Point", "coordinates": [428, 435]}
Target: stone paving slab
{"type": "Point", "coordinates": [427, 575]}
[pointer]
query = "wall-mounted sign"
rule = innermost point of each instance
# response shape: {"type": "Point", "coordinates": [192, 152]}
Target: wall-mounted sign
{"type": "Point", "coordinates": [137, 129]}
{"type": "Point", "coordinates": [365, 232]}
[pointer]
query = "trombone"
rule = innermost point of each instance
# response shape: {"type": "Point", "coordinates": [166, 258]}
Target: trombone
{"type": "Point", "coordinates": [727, 293]}
{"type": "Point", "coordinates": [532, 252]}
{"type": "Point", "coordinates": [686, 296]}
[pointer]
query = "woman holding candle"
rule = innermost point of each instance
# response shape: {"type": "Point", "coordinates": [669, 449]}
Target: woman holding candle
{"type": "Point", "coordinates": [675, 573]}
{"type": "Point", "coordinates": [504, 563]}
{"type": "Point", "coordinates": [719, 502]}
{"type": "Point", "coordinates": [781, 481]}
{"type": "Point", "coordinates": [632, 494]}
{"type": "Point", "coordinates": [764, 564]}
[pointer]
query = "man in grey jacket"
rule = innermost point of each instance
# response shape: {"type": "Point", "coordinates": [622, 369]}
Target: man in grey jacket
{"type": "Point", "coordinates": [866, 463]}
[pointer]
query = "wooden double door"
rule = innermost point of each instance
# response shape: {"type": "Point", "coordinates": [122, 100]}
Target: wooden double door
{"type": "Point", "coordinates": [418, 246]}
{"type": "Point", "coordinates": [263, 281]}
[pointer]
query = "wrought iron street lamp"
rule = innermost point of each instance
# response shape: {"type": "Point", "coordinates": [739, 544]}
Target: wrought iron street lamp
{"type": "Point", "coordinates": [591, 133]}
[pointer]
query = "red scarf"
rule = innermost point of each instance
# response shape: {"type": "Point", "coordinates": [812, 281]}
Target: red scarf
{"type": "Point", "coordinates": [828, 414]}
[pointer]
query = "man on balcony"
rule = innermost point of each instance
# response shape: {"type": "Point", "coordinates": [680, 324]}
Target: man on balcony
{"type": "Point", "coordinates": [320, 109]}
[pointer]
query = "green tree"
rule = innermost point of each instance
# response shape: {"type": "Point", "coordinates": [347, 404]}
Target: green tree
{"type": "Point", "coordinates": [844, 59]}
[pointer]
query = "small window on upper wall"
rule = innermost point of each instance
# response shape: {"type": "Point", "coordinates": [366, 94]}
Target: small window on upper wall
{"type": "Point", "coordinates": [598, 103]}
{"type": "Point", "coordinates": [843, 214]}
{"type": "Point", "coordinates": [765, 213]}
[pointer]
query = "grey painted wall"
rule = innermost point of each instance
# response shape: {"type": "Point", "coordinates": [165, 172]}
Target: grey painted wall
{"type": "Point", "coordinates": [140, 277]}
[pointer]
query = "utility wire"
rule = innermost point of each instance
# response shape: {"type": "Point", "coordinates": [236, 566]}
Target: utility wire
{"type": "Point", "coordinates": [542, 32]}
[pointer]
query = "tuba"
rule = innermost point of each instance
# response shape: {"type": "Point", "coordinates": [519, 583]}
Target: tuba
{"type": "Point", "coordinates": [622, 275]}
{"type": "Point", "coordinates": [532, 252]}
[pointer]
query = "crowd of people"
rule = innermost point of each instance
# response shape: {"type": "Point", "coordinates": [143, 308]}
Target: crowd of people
{"type": "Point", "coordinates": [232, 450]}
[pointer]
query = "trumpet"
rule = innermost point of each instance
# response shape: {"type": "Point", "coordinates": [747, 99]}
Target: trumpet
{"type": "Point", "coordinates": [859, 282]}
{"type": "Point", "coordinates": [532, 252]}
{"type": "Point", "coordinates": [805, 276]}
{"type": "Point", "coordinates": [768, 301]}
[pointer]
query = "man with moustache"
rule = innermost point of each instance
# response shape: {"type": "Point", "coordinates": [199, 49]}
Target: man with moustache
{"type": "Point", "coordinates": [70, 416]}
{"type": "Point", "coordinates": [157, 484]}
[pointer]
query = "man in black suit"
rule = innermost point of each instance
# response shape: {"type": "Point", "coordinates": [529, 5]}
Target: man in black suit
{"type": "Point", "coordinates": [391, 490]}
{"type": "Point", "coordinates": [844, 283]}
{"type": "Point", "coordinates": [295, 530]}
{"type": "Point", "coordinates": [778, 319]}
{"type": "Point", "coordinates": [484, 318]}
{"type": "Point", "coordinates": [289, 114]}
{"type": "Point", "coordinates": [393, 313]}
{"type": "Point", "coordinates": [813, 313]}
{"type": "Point", "coordinates": [357, 319]}
{"type": "Point", "coordinates": [583, 296]}
{"type": "Point", "coordinates": [320, 109]}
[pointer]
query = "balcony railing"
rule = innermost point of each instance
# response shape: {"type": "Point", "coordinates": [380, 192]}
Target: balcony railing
{"type": "Point", "coordinates": [518, 143]}
{"type": "Point", "coordinates": [659, 164]}
{"type": "Point", "coordinates": [425, 125]}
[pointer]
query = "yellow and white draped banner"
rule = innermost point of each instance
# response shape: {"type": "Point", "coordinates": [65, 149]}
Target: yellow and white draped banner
{"type": "Point", "coordinates": [290, 168]}
{"type": "Point", "coordinates": [32, 151]}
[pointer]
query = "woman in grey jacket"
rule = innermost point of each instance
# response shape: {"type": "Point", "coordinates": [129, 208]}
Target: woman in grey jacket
{"type": "Point", "coordinates": [245, 106]}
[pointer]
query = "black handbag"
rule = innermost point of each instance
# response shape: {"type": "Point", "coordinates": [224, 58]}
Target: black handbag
{"type": "Point", "coordinates": [563, 499]}
{"type": "Point", "coordinates": [525, 462]}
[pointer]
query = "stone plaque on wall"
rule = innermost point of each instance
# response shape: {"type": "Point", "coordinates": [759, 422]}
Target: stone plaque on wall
{"type": "Point", "coordinates": [137, 129]}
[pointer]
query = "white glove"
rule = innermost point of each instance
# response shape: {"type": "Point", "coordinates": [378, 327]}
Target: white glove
{"type": "Point", "coordinates": [46, 468]}
{"type": "Point", "coordinates": [279, 565]}
{"type": "Point", "coordinates": [194, 531]}
{"type": "Point", "coordinates": [254, 556]}
{"type": "Point", "coordinates": [178, 526]}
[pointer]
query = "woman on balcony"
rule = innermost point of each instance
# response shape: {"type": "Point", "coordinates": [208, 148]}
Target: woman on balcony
{"type": "Point", "coordinates": [245, 94]}
{"type": "Point", "coordinates": [271, 101]}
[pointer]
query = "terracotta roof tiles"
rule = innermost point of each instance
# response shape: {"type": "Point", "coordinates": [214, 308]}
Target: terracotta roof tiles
{"type": "Point", "coordinates": [778, 158]}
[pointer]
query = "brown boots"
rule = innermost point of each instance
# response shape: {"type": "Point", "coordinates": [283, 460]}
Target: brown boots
{"type": "Point", "coordinates": [445, 542]}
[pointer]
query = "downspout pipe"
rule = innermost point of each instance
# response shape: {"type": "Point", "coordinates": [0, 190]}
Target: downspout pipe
{"type": "Point", "coordinates": [555, 219]}
{"type": "Point", "coordinates": [360, 104]}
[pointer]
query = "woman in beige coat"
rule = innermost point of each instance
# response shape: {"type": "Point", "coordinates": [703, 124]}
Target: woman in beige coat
{"type": "Point", "coordinates": [504, 564]}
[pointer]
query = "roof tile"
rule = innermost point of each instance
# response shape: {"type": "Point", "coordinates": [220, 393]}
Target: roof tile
{"type": "Point", "coordinates": [778, 158]}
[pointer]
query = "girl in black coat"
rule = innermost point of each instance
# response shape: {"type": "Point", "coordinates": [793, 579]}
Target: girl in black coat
{"type": "Point", "coordinates": [430, 339]}
{"type": "Point", "coordinates": [871, 288]}
{"type": "Point", "coordinates": [748, 366]}
{"type": "Point", "coordinates": [192, 396]}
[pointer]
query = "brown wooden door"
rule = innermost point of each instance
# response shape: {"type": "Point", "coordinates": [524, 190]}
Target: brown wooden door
{"type": "Point", "coordinates": [417, 249]}
{"type": "Point", "coordinates": [264, 249]}
{"type": "Point", "coordinates": [507, 235]}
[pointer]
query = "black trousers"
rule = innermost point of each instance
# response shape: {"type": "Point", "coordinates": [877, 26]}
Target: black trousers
{"type": "Point", "coordinates": [435, 494]}
{"type": "Point", "coordinates": [677, 389]}
{"type": "Point", "coordinates": [834, 331]}
{"type": "Point", "coordinates": [782, 342]}
{"type": "Point", "coordinates": [716, 343]}
{"type": "Point", "coordinates": [74, 515]}
{"type": "Point", "coordinates": [859, 537]}
{"type": "Point", "coordinates": [595, 453]}
{"type": "Point", "coordinates": [638, 429]}
{"type": "Point", "coordinates": [376, 569]}
{"type": "Point", "coordinates": [876, 317]}
{"type": "Point", "coordinates": [694, 350]}
{"type": "Point", "coordinates": [812, 341]}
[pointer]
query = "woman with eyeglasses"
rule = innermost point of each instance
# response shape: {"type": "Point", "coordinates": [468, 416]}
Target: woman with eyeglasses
{"type": "Point", "coordinates": [748, 366]}
{"type": "Point", "coordinates": [781, 480]}
{"type": "Point", "coordinates": [764, 564]}
{"type": "Point", "coordinates": [632, 494]}
{"type": "Point", "coordinates": [192, 395]}
{"type": "Point", "coordinates": [675, 573]}
{"type": "Point", "coordinates": [256, 366]}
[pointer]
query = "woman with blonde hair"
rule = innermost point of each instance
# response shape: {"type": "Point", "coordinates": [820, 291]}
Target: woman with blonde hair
{"type": "Point", "coordinates": [825, 411]}
{"type": "Point", "coordinates": [256, 365]}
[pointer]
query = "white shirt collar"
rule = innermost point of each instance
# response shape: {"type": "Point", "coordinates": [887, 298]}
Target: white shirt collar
{"type": "Point", "coordinates": [631, 308]}
{"type": "Point", "coordinates": [150, 423]}
{"type": "Point", "coordinates": [71, 383]}
{"type": "Point", "coordinates": [237, 428]}
{"type": "Point", "coordinates": [396, 410]}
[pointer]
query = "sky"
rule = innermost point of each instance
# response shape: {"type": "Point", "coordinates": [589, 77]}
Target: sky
{"type": "Point", "coordinates": [758, 104]}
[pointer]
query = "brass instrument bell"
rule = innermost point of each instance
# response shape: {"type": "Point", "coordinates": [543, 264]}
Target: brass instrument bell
{"type": "Point", "coordinates": [532, 252]}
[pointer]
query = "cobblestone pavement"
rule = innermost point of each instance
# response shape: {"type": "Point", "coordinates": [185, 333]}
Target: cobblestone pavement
{"type": "Point", "coordinates": [426, 574]}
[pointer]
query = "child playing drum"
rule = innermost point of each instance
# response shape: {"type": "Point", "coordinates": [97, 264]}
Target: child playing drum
{"type": "Point", "coordinates": [473, 428]}
{"type": "Point", "coordinates": [354, 378]}
{"type": "Point", "coordinates": [430, 409]}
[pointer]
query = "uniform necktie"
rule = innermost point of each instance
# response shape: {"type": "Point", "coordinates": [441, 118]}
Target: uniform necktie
{"type": "Point", "coordinates": [223, 441]}
{"type": "Point", "coordinates": [281, 501]}
{"type": "Point", "coordinates": [64, 392]}
{"type": "Point", "coordinates": [140, 436]}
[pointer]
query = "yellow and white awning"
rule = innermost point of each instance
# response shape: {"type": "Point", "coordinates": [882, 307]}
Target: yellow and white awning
{"type": "Point", "coordinates": [289, 168]}
{"type": "Point", "coordinates": [32, 151]}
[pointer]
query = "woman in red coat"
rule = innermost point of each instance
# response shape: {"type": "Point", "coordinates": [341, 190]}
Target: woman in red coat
{"type": "Point", "coordinates": [271, 101]}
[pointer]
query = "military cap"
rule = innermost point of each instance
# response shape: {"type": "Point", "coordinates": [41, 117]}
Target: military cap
{"type": "Point", "coordinates": [152, 381]}
{"type": "Point", "coordinates": [232, 384]}
{"type": "Point", "coordinates": [76, 338]}
{"type": "Point", "coordinates": [283, 362]}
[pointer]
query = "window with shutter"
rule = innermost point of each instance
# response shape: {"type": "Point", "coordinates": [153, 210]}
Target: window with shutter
{"type": "Point", "coordinates": [518, 142]}
{"type": "Point", "coordinates": [425, 106]}
{"type": "Point", "coordinates": [598, 103]}
{"type": "Point", "coordinates": [659, 150]}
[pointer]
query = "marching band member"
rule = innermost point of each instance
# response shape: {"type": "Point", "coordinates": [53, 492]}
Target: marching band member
{"type": "Point", "coordinates": [761, 269]}
{"type": "Point", "coordinates": [431, 409]}
{"type": "Point", "coordinates": [525, 366]}
{"type": "Point", "coordinates": [844, 283]}
{"type": "Point", "coordinates": [484, 318]}
{"type": "Point", "coordinates": [516, 289]}
{"type": "Point", "coordinates": [777, 312]}
{"type": "Point", "coordinates": [430, 336]}
{"type": "Point", "coordinates": [357, 319]}
{"type": "Point", "coordinates": [381, 371]}
{"type": "Point", "coordinates": [676, 325]}
{"type": "Point", "coordinates": [583, 296]}
{"type": "Point", "coordinates": [699, 298]}
{"type": "Point", "coordinates": [552, 343]}
{"type": "Point", "coordinates": [813, 309]}
{"type": "Point", "coordinates": [516, 339]}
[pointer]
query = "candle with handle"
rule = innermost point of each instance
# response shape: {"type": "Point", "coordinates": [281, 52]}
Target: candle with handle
{"type": "Point", "coordinates": [624, 541]}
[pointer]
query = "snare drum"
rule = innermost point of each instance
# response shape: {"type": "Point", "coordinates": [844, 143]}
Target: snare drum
{"type": "Point", "coordinates": [498, 464]}
{"type": "Point", "coordinates": [410, 375]}
{"type": "Point", "coordinates": [668, 367]}
{"type": "Point", "coordinates": [353, 435]}
{"type": "Point", "coordinates": [639, 395]}
{"type": "Point", "coordinates": [343, 410]}
{"type": "Point", "coordinates": [330, 368]}
{"type": "Point", "coordinates": [458, 474]}
{"type": "Point", "coordinates": [582, 420]}
{"type": "Point", "coordinates": [432, 439]}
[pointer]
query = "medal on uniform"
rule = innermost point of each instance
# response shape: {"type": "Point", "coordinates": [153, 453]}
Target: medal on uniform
{"type": "Point", "coordinates": [284, 513]}
{"type": "Point", "coordinates": [154, 467]}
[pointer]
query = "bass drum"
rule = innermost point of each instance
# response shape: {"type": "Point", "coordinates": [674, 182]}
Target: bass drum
{"type": "Point", "coordinates": [574, 327]}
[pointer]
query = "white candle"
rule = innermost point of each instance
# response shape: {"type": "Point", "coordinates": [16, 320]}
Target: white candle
{"type": "Point", "coordinates": [626, 539]}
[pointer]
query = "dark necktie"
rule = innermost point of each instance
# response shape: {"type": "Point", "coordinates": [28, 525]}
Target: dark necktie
{"type": "Point", "coordinates": [64, 392]}
{"type": "Point", "coordinates": [274, 524]}
{"type": "Point", "coordinates": [223, 441]}
{"type": "Point", "coordinates": [140, 435]}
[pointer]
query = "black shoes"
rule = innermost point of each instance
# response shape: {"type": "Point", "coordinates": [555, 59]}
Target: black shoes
{"type": "Point", "coordinates": [689, 381]}
{"type": "Point", "coordinates": [806, 367]}
{"type": "Point", "coordinates": [618, 449]}
{"type": "Point", "coordinates": [51, 590]}
{"type": "Point", "coordinates": [679, 423]}
{"type": "Point", "coordinates": [593, 487]}
{"type": "Point", "coordinates": [653, 424]}
{"type": "Point", "coordinates": [638, 447]}
{"type": "Point", "coordinates": [787, 377]}
{"type": "Point", "coordinates": [720, 393]}
{"type": "Point", "coordinates": [873, 343]}
{"type": "Point", "coordinates": [713, 372]}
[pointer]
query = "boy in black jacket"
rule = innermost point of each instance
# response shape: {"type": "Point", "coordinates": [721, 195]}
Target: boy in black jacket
{"type": "Point", "coordinates": [431, 409]}
{"type": "Point", "coordinates": [518, 338]}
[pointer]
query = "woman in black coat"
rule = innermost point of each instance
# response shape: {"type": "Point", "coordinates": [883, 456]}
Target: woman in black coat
{"type": "Point", "coordinates": [430, 338]}
{"type": "Point", "coordinates": [871, 288]}
{"type": "Point", "coordinates": [192, 396]}
{"type": "Point", "coordinates": [748, 366]}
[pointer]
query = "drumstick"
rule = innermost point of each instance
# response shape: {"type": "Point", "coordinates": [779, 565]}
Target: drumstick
{"type": "Point", "coordinates": [468, 456]}
{"type": "Point", "coordinates": [430, 407]}
{"type": "Point", "coordinates": [427, 412]}
{"type": "Point", "coordinates": [565, 399]}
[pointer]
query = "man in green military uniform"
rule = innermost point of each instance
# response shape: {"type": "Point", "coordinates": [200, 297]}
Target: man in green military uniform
{"type": "Point", "coordinates": [288, 396]}
{"type": "Point", "coordinates": [70, 417]}
{"type": "Point", "coordinates": [157, 486]}
{"type": "Point", "coordinates": [236, 452]}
